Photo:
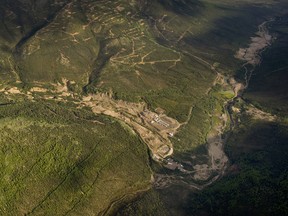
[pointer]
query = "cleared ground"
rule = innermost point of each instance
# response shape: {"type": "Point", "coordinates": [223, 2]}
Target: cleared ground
{"type": "Point", "coordinates": [94, 81]}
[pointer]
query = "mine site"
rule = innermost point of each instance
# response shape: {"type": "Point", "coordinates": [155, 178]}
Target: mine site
{"type": "Point", "coordinates": [143, 107]}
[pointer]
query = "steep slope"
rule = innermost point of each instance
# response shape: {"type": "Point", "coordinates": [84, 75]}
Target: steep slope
{"type": "Point", "coordinates": [58, 160]}
{"type": "Point", "coordinates": [86, 84]}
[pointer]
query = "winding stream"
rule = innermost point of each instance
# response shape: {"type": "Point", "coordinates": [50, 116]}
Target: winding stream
{"type": "Point", "coordinates": [198, 176]}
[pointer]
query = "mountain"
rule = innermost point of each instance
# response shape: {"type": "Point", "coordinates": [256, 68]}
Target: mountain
{"type": "Point", "coordinates": [118, 107]}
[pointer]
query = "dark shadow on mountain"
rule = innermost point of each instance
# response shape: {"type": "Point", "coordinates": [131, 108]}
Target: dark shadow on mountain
{"type": "Point", "coordinates": [227, 34]}
{"type": "Point", "coordinates": [167, 201]}
{"type": "Point", "coordinates": [183, 7]}
{"type": "Point", "coordinates": [268, 86]}
{"type": "Point", "coordinates": [256, 183]}
{"type": "Point", "coordinates": [224, 35]}
{"type": "Point", "coordinates": [22, 19]}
